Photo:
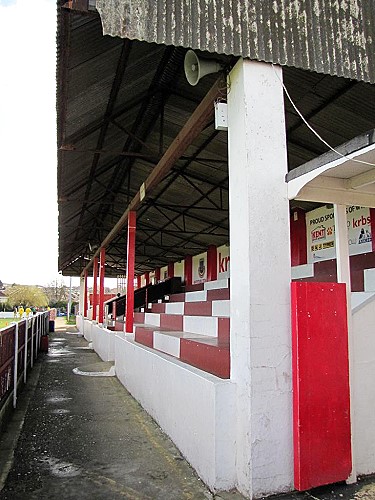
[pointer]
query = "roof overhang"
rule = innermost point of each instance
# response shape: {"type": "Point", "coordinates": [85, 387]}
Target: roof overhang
{"type": "Point", "coordinates": [347, 178]}
{"type": "Point", "coordinates": [121, 107]}
{"type": "Point", "coordinates": [327, 37]}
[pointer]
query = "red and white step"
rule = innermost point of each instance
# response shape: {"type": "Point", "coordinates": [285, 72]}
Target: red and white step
{"type": "Point", "coordinates": [195, 331]}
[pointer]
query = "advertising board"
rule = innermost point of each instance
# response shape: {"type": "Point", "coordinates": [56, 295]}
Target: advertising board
{"type": "Point", "coordinates": [320, 228]}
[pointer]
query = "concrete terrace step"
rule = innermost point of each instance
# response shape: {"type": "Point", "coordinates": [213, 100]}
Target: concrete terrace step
{"type": "Point", "coordinates": [212, 308]}
{"type": "Point", "coordinates": [192, 326]}
{"type": "Point", "coordinates": [210, 354]}
{"type": "Point", "coordinates": [210, 326]}
{"type": "Point", "coordinates": [210, 290]}
{"type": "Point", "coordinates": [217, 284]}
{"type": "Point", "coordinates": [200, 295]}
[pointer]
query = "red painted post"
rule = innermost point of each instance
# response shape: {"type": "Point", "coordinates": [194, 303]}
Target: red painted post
{"type": "Point", "coordinates": [85, 294]}
{"type": "Point", "coordinates": [130, 262]}
{"type": "Point", "coordinates": [298, 238]}
{"type": "Point", "coordinates": [101, 285]}
{"type": "Point", "coordinates": [211, 263]}
{"type": "Point", "coordinates": [147, 277]}
{"type": "Point", "coordinates": [188, 268]}
{"type": "Point", "coordinates": [321, 398]}
{"type": "Point", "coordinates": [95, 288]}
{"type": "Point", "coordinates": [171, 270]}
{"type": "Point", "coordinates": [157, 274]}
{"type": "Point", "coordinates": [139, 281]}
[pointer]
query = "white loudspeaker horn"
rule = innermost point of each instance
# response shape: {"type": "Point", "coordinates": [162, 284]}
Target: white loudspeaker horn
{"type": "Point", "coordinates": [196, 68]}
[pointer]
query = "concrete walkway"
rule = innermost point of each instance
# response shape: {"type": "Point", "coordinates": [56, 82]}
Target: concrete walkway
{"type": "Point", "coordinates": [84, 437]}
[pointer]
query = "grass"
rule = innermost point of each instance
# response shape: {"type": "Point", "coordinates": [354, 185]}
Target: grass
{"type": "Point", "coordinates": [72, 320]}
{"type": "Point", "coordinates": [7, 321]}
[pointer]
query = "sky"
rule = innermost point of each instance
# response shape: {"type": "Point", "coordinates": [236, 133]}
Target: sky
{"type": "Point", "coordinates": [28, 235]}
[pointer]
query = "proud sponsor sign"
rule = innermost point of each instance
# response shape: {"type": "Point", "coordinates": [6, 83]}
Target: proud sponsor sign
{"type": "Point", "coordinates": [320, 226]}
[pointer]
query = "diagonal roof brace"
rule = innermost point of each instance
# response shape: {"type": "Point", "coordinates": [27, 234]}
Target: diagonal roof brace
{"type": "Point", "coordinates": [189, 132]}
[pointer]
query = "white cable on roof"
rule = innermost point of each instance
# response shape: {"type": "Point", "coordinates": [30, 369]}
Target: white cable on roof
{"type": "Point", "coordinates": [314, 131]}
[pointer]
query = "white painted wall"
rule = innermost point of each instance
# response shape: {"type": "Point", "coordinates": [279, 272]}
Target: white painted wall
{"type": "Point", "coordinates": [103, 341]}
{"type": "Point", "coordinates": [163, 273]}
{"type": "Point", "coordinates": [79, 323]}
{"type": "Point", "coordinates": [87, 328]}
{"type": "Point", "coordinates": [364, 387]}
{"type": "Point", "coordinates": [260, 279]}
{"type": "Point", "coordinates": [369, 280]}
{"type": "Point", "coordinates": [7, 314]}
{"type": "Point", "coordinates": [179, 269]}
{"type": "Point", "coordinates": [196, 409]}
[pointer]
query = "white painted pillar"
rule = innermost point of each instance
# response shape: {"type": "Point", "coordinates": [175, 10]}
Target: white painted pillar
{"type": "Point", "coordinates": [82, 292]}
{"type": "Point", "coordinates": [343, 276]}
{"type": "Point", "coordinates": [260, 278]}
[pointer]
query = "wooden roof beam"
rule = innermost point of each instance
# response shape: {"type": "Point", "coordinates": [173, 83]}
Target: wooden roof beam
{"type": "Point", "coordinates": [189, 132]}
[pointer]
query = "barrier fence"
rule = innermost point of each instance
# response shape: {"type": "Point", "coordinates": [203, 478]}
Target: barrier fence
{"type": "Point", "coordinates": [19, 347]}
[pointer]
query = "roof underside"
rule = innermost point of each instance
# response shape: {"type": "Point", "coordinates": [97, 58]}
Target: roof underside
{"type": "Point", "coordinates": [120, 105]}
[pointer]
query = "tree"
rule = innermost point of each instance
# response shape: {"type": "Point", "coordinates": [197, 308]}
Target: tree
{"type": "Point", "coordinates": [26, 295]}
{"type": "Point", "coordinates": [57, 293]}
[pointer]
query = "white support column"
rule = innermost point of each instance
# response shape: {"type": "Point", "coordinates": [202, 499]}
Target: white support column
{"type": "Point", "coordinates": [343, 276]}
{"type": "Point", "coordinates": [25, 351]}
{"type": "Point", "coordinates": [32, 342]}
{"type": "Point", "coordinates": [15, 365]}
{"type": "Point", "coordinates": [82, 292]}
{"type": "Point", "coordinates": [260, 279]}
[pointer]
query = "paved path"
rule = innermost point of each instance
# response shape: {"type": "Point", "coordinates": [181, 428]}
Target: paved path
{"type": "Point", "coordinates": [86, 438]}
{"type": "Point", "coordinates": [83, 437]}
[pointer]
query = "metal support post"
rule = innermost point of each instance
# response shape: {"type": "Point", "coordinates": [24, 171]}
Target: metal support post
{"type": "Point", "coordinates": [25, 353]}
{"type": "Point", "coordinates": [15, 372]}
{"type": "Point", "coordinates": [32, 342]}
{"type": "Point", "coordinates": [129, 317]}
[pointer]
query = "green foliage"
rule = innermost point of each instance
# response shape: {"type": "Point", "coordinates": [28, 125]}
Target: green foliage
{"type": "Point", "coordinates": [26, 295]}
{"type": "Point", "coordinates": [61, 304]}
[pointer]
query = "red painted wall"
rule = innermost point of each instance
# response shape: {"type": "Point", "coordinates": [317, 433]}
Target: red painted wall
{"type": "Point", "coordinates": [321, 398]}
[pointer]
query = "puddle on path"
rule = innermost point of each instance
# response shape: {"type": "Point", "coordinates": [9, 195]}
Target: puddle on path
{"type": "Point", "coordinates": [60, 411]}
{"type": "Point", "coordinates": [62, 469]}
{"type": "Point", "coordinates": [58, 399]}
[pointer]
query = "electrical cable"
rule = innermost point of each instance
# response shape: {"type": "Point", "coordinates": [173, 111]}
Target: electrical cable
{"type": "Point", "coordinates": [314, 131]}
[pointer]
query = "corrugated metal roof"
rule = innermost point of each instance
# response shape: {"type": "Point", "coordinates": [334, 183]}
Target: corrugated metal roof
{"type": "Point", "coordinates": [189, 208]}
{"type": "Point", "coordinates": [335, 37]}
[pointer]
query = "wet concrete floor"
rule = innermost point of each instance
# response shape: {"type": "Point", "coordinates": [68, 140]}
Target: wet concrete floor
{"type": "Point", "coordinates": [84, 437]}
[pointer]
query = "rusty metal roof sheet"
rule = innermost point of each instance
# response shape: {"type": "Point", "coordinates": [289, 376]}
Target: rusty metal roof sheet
{"type": "Point", "coordinates": [327, 36]}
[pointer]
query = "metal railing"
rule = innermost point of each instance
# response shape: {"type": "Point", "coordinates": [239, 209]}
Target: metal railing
{"type": "Point", "coordinates": [19, 347]}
